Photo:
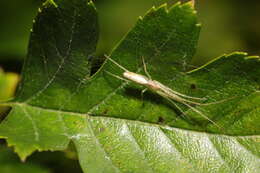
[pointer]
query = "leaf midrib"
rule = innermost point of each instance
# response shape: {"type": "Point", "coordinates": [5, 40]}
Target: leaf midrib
{"type": "Point", "coordinates": [85, 115]}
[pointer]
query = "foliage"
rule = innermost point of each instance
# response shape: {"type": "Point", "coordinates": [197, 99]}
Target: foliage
{"type": "Point", "coordinates": [113, 129]}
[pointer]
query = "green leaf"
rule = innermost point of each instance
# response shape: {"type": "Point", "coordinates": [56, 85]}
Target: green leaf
{"type": "Point", "coordinates": [112, 127]}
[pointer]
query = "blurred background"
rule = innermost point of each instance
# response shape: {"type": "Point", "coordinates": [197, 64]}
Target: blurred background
{"type": "Point", "coordinates": [227, 26]}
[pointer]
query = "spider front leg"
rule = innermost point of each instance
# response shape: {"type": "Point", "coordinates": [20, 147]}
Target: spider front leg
{"type": "Point", "coordinates": [145, 69]}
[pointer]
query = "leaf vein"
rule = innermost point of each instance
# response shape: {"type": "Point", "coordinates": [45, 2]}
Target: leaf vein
{"type": "Point", "coordinates": [108, 96]}
{"type": "Point", "coordinates": [101, 147]}
{"type": "Point", "coordinates": [35, 129]}
{"type": "Point", "coordinates": [60, 65]}
{"type": "Point", "coordinates": [130, 134]}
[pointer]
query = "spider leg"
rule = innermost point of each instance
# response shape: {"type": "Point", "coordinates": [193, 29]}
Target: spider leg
{"type": "Point", "coordinates": [200, 113]}
{"type": "Point", "coordinates": [116, 76]}
{"type": "Point", "coordinates": [145, 69]}
{"type": "Point", "coordinates": [113, 61]}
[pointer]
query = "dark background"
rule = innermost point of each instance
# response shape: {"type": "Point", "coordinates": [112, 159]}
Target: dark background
{"type": "Point", "coordinates": [227, 26]}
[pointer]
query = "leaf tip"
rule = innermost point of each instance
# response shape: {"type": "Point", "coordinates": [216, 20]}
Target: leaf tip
{"type": "Point", "coordinates": [153, 9]}
{"type": "Point", "coordinates": [198, 25]}
{"type": "Point", "coordinates": [253, 57]}
{"type": "Point", "coordinates": [50, 2]}
{"type": "Point", "coordinates": [191, 3]}
{"type": "Point", "coordinates": [177, 3]}
{"type": "Point", "coordinates": [187, 6]}
{"type": "Point", "coordinates": [91, 4]}
{"type": "Point", "coordinates": [20, 152]}
{"type": "Point", "coordinates": [163, 6]}
{"type": "Point", "coordinates": [140, 18]}
{"type": "Point", "coordinates": [236, 53]}
{"type": "Point", "coordinates": [39, 10]}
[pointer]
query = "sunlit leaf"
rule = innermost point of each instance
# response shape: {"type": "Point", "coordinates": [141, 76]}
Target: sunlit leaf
{"type": "Point", "coordinates": [113, 128]}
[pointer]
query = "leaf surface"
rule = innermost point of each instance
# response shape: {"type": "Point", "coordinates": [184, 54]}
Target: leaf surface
{"type": "Point", "coordinates": [113, 128]}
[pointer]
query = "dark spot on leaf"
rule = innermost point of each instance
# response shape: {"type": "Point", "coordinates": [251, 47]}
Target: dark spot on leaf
{"type": "Point", "coordinates": [193, 86]}
{"type": "Point", "coordinates": [160, 120]}
{"type": "Point", "coordinates": [101, 129]}
{"type": "Point", "coordinates": [105, 112]}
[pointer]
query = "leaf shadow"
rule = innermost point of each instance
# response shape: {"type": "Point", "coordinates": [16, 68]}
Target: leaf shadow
{"type": "Point", "coordinates": [154, 98]}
